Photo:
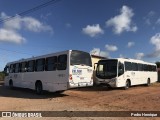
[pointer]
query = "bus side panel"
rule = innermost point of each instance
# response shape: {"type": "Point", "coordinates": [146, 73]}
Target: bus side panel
{"type": "Point", "coordinates": [51, 80]}
{"type": "Point", "coordinates": [16, 79]}
{"type": "Point", "coordinates": [154, 77]}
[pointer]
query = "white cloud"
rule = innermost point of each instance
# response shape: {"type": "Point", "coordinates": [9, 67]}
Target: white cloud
{"type": "Point", "coordinates": [158, 21]}
{"type": "Point", "coordinates": [155, 40]}
{"type": "Point", "coordinates": [130, 44]}
{"type": "Point", "coordinates": [123, 21]}
{"type": "Point", "coordinates": [34, 25]}
{"type": "Point", "coordinates": [3, 15]}
{"type": "Point", "coordinates": [10, 29]}
{"type": "Point", "coordinates": [93, 30]}
{"type": "Point", "coordinates": [147, 21]}
{"type": "Point", "coordinates": [122, 56]}
{"type": "Point", "coordinates": [151, 13]}
{"type": "Point", "coordinates": [111, 48]}
{"type": "Point", "coordinates": [46, 16]}
{"type": "Point", "coordinates": [149, 18]}
{"type": "Point", "coordinates": [68, 25]}
{"type": "Point", "coordinates": [98, 52]}
{"type": "Point", "coordinates": [139, 55]}
{"type": "Point", "coordinates": [28, 23]}
{"type": "Point", "coordinates": [11, 36]}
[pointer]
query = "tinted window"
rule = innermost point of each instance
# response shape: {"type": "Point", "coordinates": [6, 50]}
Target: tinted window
{"type": "Point", "coordinates": [140, 67]}
{"type": "Point", "coordinates": [23, 66]}
{"type": "Point", "coordinates": [17, 67]}
{"type": "Point", "coordinates": [62, 62]}
{"type": "Point", "coordinates": [31, 66]}
{"type": "Point", "coordinates": [40, 63]}
{"type": "Point", "coordinates": [80, 58]}
{"type": "Point", "coordinates": [106, 69]}
{"type": "Point", "coordinates": [51, 63]}
{"type": "Point", "coordinates": [135, 66]}
{"type": "Point", "coordinates": [12, 68]}
{"type": "Point", "coordinates": [149, 67]}
{"type": "Point", "coordinates": [120, 69]}
{"type": "Point", "coordinates": [145, 67]}
{"type": "Point", "coordinates": [153, 68]}
{"type": "Point", "coordinates": [128, 66]}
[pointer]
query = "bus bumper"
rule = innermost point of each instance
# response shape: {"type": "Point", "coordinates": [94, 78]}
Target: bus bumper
{"type": "Point", "coordinates": [111, 83]}
{"type": "Point", "coordinates": [79, 84]}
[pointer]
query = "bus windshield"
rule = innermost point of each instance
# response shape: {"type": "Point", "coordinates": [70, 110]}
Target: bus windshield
{"type": "Point", "coordinates": [106, 69]}
{"type": "Point", "coordinates": [80, 58]}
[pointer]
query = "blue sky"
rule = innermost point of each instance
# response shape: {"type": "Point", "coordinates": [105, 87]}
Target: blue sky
{"type": "Point", "coordinates": [111, 28]}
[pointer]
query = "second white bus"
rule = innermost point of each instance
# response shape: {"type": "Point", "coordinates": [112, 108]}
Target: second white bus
{"type": "Point", "coordinates": [123, 72]}
{"type": "Point", "coordinates": [52, 72]}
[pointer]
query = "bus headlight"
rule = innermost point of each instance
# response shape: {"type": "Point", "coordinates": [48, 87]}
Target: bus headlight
{"type": "Point", "coordinates": [113, 79]}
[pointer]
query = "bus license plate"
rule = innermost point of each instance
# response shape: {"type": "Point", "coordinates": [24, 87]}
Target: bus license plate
{"type": "Point", "coordinates": [82, 78]}
{"type": "Point", "coordinates": [82, 84]}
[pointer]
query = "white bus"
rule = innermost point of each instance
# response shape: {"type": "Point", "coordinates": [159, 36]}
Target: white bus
{"type": "Point", "coordinates": [52, 72]}
{"type": "Point", "coordinates": [123, 72]}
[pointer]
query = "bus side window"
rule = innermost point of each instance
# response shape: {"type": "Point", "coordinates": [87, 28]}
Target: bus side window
{"type": "Point", "coordinates": [31, 66]}
{"type": "Point", "coordinates": [23, 67]}
{"type": "Point", "coordinates": [120, 69]}
{"type": "Point", "coordinates": [51, 63]}
{"type": "Point", "coordinates": [40, 64]}
{"type": "Point", "coordinates": [62, 62]}
{"type": "Point", "coordinates": [12, 68]}
{"type": "Point", "coordinates": [17, 67]}
{"type": "Point", "coordinates": [134, 66]}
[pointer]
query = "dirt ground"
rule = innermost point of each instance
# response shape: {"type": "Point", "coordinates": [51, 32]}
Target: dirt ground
{"type": "Point", "coordinates": [138, 98]}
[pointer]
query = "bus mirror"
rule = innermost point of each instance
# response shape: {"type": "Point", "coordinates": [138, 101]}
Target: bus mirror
{"type": "Point", "coordinates": [94, 65]}
{"type": "Point", "coordinates": [25, 69]}
{"type": "Point", "coordinates": [5, 71]}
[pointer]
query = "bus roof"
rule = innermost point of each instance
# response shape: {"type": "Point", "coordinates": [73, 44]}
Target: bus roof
{"type": "Point", "coordinates": [45, 55]}
{"type": "Point", "coordinates": [130, 60]}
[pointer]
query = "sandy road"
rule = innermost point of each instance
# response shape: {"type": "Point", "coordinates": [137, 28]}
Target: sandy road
{"type": "Point", "coordinates": [82, 99]}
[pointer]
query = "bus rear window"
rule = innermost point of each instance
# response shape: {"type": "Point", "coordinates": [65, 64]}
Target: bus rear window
{"type": "Point", "coordinates": [80, 58]}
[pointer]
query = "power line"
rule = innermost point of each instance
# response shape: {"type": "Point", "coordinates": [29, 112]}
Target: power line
{"type": "Point", "coordinates": [51, 2]}
{"type": "Point", "coordinates": [30, 10]}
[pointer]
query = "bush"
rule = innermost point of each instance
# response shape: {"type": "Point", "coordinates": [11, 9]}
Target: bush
{"type": "Point", "coordinates": [2, 75]}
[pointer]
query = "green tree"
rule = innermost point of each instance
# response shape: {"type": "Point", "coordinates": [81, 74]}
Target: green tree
{"type": "Point", "coordinates": [158, 64]}
{"type": "Point", "coordinates": [2, 75]}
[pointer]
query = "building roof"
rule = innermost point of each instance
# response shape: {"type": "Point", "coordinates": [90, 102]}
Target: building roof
{"type": "Point", "coordinates": [96, 56]}
{"type": "Point", "coordinates": [158, 69]}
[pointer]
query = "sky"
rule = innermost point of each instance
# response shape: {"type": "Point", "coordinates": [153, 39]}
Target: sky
{"type": "Point", "coordinates": [109, 28]}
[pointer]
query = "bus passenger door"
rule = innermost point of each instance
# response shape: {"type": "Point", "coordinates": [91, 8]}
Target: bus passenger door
{"type": "Point", "coordinates": [134, 74]}
{"type": "Point", "coordinates": [121, 74]}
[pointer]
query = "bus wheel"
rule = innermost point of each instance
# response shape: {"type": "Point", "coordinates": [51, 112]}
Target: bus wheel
{"type": "Point", "coordinates": [39, 88]}
{"type": "Point", "coordinates": [11, 84]}
{"type": "Point", "coordinates": [127, 85]}
{"type": "Point", "coordinates": [148, 82]}
{"type": "Point", "coordinates": [59, 92]}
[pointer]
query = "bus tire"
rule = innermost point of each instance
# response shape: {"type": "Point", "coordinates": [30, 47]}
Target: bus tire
{"type": "Point", "coordinates": [148, 82]}
{"type": "Point", "coordinates": [59, 92]}
{"type": "Point", "coordinates": [10, 84]}
{"type": "Point", "coordinates": [127, 85]}
{"type": "Point", "coordinates": [39, 88]}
